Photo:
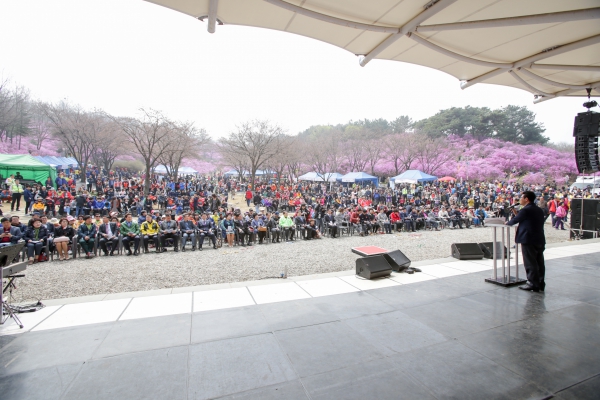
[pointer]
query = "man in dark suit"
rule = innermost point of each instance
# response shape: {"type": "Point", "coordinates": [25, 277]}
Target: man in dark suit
{"type": "Point", "coordinates": [530, 234]}
{"type": "Point", "coordinates": [109, 234]}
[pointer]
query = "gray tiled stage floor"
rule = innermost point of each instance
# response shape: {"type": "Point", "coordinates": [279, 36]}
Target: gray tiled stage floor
{"type": "Point", "coordinates": [455, 337]}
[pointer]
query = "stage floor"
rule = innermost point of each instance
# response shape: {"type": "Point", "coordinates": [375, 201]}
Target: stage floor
{"type": "Point", "coordinates": [442, 333]}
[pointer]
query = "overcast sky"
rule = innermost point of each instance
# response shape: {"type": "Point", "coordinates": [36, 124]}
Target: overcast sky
{"type": "Point", "coordinates": [120, 55]}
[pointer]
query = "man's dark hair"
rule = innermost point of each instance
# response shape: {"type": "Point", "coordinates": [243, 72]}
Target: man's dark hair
{"type": "Point", "coordinates": [529, 195]}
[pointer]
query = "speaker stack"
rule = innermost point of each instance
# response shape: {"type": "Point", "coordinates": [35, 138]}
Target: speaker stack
{"type": "Point", "coordinates": [591, 216]}
{"type": "Point", "coordinates": [586, 132]}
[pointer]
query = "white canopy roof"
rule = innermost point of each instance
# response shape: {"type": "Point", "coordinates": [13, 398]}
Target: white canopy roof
{"type": "Point", "coordinates": [547, 47]}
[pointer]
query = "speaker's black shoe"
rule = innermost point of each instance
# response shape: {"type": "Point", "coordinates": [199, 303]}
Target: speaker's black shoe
{"type": "Point", "coordinates": [530, 288]}
{"type": "Point", "coordinates": [542, 286]}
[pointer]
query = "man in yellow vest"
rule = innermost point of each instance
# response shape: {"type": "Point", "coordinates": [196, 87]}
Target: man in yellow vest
{"type": "Point", "coordinates": [17, 191]}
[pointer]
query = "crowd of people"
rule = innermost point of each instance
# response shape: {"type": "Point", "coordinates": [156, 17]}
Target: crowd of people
{"type": "Point", "coordinates": [108, 211]}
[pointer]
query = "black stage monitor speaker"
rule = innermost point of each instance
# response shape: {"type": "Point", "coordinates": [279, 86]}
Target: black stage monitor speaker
{"type": "Point", "coordinates": [466, 251]}
{"type": "Point", "coordinates": [488, 250]}
{"type": "Point", "coordinates": [373, 267]}
{"type": "Point", "coordinates": [397, 260]}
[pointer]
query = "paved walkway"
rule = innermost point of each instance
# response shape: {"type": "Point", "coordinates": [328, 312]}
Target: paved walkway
{"type": "Point", "coordinates": [443, 333]}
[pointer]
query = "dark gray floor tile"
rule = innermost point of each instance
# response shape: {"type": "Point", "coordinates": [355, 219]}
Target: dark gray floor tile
{"type": "Point", "coordinates": [588, 269]}
{"type": "Point", "coordinates": [43, 384]}
{"type": "Point", "coordinates": [378, 379]}
{"type": "Point", "coordinates": [295, 314]}
{"type": "Point", "coordinates": [230, 366]}
{"type": "Point", "coordinates": [298, 313]}
{"type": "Point", "coordinates": [283, 391]}
{"type": "Point", "coordinates": [135, 335]}
{"type": "Point", "coordinates": [538, 360]}
{"type": "Point", "coordinates": [34, 350]}
{"type": "Point", "coordinates": [6, 340]}
{"type": "Point", "coordinates": [415, 294]}
{"type": "Point", "coordinates": [222, 324]}
{"type": "Point", "coordinates": [580, 279]}
{"type": "Point", "coordinates": [321, 348]}
{"type": "Point", "coordinates": [528, 302]}
{"type": "Point", "coordinates": [451, 370]}
{"type": "Point", "coordinates": [466, 284]}
{"type": "Point", "coordinates": [154, 374]}
{"type": "Point", "coordinates": [595, 302]}
{"type": "Point", "coordinates": [352, 305]}
{"type": "Point", "coordinates": [461, 316]}
{"type": "Point", "coordinates": [587, 390]}
{"type": "Point", "coordinates": [571, 290]}
{"type": "Point", "coordinates": [575, 328]}
{"type": "Point", "coordinates": [394, 332]}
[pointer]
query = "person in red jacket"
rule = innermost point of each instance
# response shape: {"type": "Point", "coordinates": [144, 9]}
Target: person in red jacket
{"type": "Point", "coordinates": [396, 220]}
{"type": "Point", "coordinates": [552, 205]}
{"type": "Point", "coordinates": [248, 197]}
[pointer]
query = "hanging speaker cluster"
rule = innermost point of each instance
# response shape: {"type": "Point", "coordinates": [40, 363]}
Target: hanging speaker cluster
{"type": "Point", "coordinates": [586, 132]}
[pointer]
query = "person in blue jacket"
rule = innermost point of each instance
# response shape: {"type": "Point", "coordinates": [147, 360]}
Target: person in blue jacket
{"type": "Point", "coordinates": [28, 197]}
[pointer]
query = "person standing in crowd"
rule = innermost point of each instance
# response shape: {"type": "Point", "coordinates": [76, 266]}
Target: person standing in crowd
{"type": "Point", "coordinates": [17, 190]}
{"type": "Point", "coordinates": [28, 197]}
{"type": "Point", "coordinates": [530, 235]}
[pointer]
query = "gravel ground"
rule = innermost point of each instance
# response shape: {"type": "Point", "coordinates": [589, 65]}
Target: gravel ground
{"type": "Point", "coordinates": [51, 280]}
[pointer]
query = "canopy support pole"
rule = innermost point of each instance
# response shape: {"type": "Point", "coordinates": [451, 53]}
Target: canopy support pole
{"type": "Point", "coordinates": [213, 5]}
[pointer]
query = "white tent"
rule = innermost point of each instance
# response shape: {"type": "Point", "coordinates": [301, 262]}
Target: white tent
{"type": "Point", "coordinates": [548, 48]}
{"type": "Point", "coordinates": [310, 176]}
{"type": "Point", "coordinates": [187, 170]}
{"type": "Point", "coordinates": [316, 177]}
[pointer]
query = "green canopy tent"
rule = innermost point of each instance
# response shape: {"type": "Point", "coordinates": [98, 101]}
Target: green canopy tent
{"type": "Point", "coordinates": [29, 167]}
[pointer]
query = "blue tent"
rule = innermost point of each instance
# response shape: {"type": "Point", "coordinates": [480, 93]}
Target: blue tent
{"type": "Point", "coordinates": [47, 161]}
{"type": "Point", "coordinates": [359, 177]}
{"type": "Point", "coordinates": [413, 176]}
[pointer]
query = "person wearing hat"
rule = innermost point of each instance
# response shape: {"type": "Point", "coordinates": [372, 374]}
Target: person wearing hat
{"type": "Point", "coordinates": [142, 217]}
{"type": "Point", "coordinates": [35, 237]}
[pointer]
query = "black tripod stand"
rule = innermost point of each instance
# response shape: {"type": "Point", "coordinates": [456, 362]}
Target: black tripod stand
{"type": "Point", "coordinates": [7, 309]}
